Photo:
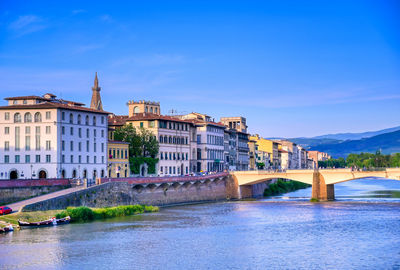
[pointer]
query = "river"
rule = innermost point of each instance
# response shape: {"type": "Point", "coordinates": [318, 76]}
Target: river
{"type": "Point", "coordinates": [361, 230]}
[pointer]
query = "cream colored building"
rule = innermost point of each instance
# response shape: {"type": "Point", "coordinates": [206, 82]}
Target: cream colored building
{"type": "Point", "coordinates": [118, 159]}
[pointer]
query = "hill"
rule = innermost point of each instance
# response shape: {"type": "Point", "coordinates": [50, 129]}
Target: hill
{"type": "Point", "coordinates": [388, 143]}
{"type": "Point", "coordinates": [356, 136]}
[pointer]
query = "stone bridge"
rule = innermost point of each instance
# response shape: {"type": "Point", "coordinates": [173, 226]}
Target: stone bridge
{"type": "Point", "coordinates": [322, 180]}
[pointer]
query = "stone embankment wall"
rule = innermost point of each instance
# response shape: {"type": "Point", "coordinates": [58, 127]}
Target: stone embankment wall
{"type": "Point", "coordinates": [115, 193]}
{"type": "Point", "coordinates": [18, 190]}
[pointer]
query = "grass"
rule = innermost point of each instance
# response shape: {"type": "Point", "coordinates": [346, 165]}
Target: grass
{"type": "Point", "coordinates": [282, 186]}
{"type": "Point", "coordinates": [78, 214]}
{"type": "Point", "coordinates": [82, 214]}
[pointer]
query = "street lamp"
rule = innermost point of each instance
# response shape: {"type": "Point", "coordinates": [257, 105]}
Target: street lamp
{"type": "Point", "coordinates": [31, 171]}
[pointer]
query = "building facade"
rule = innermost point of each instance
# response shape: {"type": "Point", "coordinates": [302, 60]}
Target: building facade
{"type": "Point", "coordinates": [118, 159]}
{"type": "Point", "coordinates": [46, 137]}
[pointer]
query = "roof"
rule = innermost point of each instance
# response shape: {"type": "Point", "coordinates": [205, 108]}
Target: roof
{"type": "Point", "coordinates": [44, 99]}
{"type": "Point", "coordinates": [52, 105]}
{"type": "Point", "coordinates": [122, 119]}
{"type": "Point", "coordinates": [117, 142]}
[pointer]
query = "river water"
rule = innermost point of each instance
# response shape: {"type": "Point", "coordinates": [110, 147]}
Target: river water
{"type": "Point", "coordinates": [361, 230]}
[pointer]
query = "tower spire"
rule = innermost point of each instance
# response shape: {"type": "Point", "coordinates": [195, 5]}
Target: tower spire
{"type": "Point", "coordinates": [96, 99]}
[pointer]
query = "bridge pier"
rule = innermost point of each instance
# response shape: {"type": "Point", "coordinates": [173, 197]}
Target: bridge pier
{"type": "Point", "coordinates": [320, 190]}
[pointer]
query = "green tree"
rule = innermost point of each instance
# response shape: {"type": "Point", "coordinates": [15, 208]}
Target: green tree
{"type": "Point", "coordinates": [149, 144]}
{"type": "Point", "coordinates": [128, 134]}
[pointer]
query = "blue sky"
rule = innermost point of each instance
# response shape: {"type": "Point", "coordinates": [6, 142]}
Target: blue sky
{"type": "Point", "coordinates": [292, 68]}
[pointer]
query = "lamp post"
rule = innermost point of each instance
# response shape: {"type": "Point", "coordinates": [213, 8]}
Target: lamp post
{"type": "Point", "coordinates": [31, 171]}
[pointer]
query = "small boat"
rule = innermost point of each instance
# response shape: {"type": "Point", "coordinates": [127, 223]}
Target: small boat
{"type": "Point", "coordinates": [50, 222]}
{"type": "Point", "coordinates": [8, 228]}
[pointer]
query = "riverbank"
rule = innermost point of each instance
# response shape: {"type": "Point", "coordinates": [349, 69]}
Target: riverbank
{"type": "Point", "coordinates": [78, 214]}
{"type": "Point", "coordinates": [281, 187]}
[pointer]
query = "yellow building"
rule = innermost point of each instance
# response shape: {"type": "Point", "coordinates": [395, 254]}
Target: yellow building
{"type": "Point", "coordinates": [267, 147]}
{"type": "Point", "coordinates": [118, 159]}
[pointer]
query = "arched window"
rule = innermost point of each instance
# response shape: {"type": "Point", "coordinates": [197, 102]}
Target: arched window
{"type": "Point", "coordinates": [28, 117]}
{"type": "Point", "coordinates": [174, 140]}
{"type": "Point", "coordinates": [178, 140]}
{"type": "Point", "coordinates": [170, 139]}
{"type": "Point", "coordinates": [151, 109]}
{"type": "Point", "coordinates": [71, 118]}
{"type": "Point", "coordinates": [165, 139]}
{"type": "Point", "coordinates": [136, 109]}
{"type": "Point", "coordinates": [102, 173]}
{"type": "Point", "coordinates": [156, 110]}
{"type": "Point", "coordinates": [17, 118]}
{"type": "Point", "coordinates": [161, 139]}
{"type": "Point", "coordinates": [146, 109]}
{"type": "Point", "coordinates": [94, 120]}
{"type": "Point", "coordinates": [38, 117]}
{"type": "Point", "coordinates": [79, 119]}
{"type": "Point", "coordinates": [87, 120]}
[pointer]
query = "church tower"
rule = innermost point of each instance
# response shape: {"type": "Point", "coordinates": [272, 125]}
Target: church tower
{"type": "Point", "coordinates": [96, 99]}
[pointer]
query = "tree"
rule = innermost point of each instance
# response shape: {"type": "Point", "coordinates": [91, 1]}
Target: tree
{"type": "Point", "coordinates": [128, 134]}
{"type": "Point", "coordinates": [149, 144]}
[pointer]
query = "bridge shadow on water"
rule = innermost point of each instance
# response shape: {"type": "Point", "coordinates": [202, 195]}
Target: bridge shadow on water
{"type": "Point", "coordinates": [365, 189]}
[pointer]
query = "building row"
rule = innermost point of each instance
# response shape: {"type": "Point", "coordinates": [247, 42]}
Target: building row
{"type": "Point", "coordinates": [48, 137]}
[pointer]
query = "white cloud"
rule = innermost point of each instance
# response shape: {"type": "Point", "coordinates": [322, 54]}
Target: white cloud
{"type": "Point", "coordinates": [77, 11]}
{"type": "Point", "coordinates": [27, 24]}
{"type": "Point", "coordinates": [106, 18]}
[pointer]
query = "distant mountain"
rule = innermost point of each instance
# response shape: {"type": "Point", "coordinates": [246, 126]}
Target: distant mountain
{"type": "Point", "coordinates": [356, 136]}
{"type": "Point", "coordinates": [388, 143]}
{"type": "Point", "coordinates": [311, 142]}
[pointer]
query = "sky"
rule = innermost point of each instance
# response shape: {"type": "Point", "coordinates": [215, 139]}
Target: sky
{"type": "Point", "coordinates": [292, 68]}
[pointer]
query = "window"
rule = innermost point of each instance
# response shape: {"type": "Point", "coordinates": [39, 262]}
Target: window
{"type": "Point", "coordinates": [38, 117]}
{"type": "Point", "coordinates": [161, 139]}
{"type": "Point", "coordinates": [102, 159]}
{"type": "Point", "coordinates": [94, 120]}
{"type": "Point", "coordinates": [27, 143]}
{"type": "Point", "coordinates": [48, 158]}
{"type": "Point", "coordinates": [27, 130]}
{"type": "Point", "coordinates": [28, 117]}
{"type": "Point", "coordinates": [63, 130]}
{"type": "Point", "coordinates": [27, 159]}
{"type": "Point", "coordinates": [48, 129]}
{"type": "Point", "coordinates": [6, 159]}
{"type": "Point", "coordinates": [17, 142]}
{"type": "Point", "coordinates": [71, 145]}
{"type": "Point", "coordinates": [94, 147]}
{"type": "Point", "coordinates": [79, 146]}
{"type": "Point", "coordinates": [102, 120]}
{"type": "Point", "coordinates": [6, 130]}
{"type": "Point", "coordinates": [87, 159]}
{"type": "Point", "coordinates": [141, 124]}
{"type": "Point", "coordinates": [102, 133]}
{"type": "Point", "coordinates": [48, 115]}
{"type": "Point", "coordinates": [48, 146]}
{"type": "Point", "coordinates": [17, 118]}
{"type": "Point", "coordinates": [79, 119]}
{"type": "Point", "coordinates": [79, 159]}
{"type": "Point", "coordinates": [161, 155]}
{"type": "Point", "coordinates": [71, 131]}
{"type": "Point", "coordinates": [37, 159]}
{"type": "Point", "coordinates": [7, 116]}
{"type": "Point", "coordinates": [87, 133]}
{"type": "Point", "coordinates": [102, 147]}
{"type": "Point", "coordinates": [63, 145]}
{"type": "Point", "coordinates": [87, 146]}
{"type": "Point", "coordinates": [71, 159]}
{"type": "Point", "coordinates": [6, 146]}
{"type": "Point", "coordinates": [95, 133]}
{"type": "Point", "coordinates": [95, 159]}
{"type": "Point", "coordinates": [17, 160]}
{"type": "Point", "coordinates": [80, 132]}
{"type": "Point", "coordinates": [71, 118]}
{"type": "Point", "coordinates": [87, 120]}
{"type": "Point", "coordinates": [37, 138]}
{"type": "Point", "coordinates": [63, 158]}
{"type": "Point", "coordinates": [63, 116]}
{"type": "Point", "coordinates": [151, 124]}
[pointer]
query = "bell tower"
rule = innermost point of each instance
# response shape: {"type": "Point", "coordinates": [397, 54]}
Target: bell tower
{"type": "Point", "coordinates": [96, 99]}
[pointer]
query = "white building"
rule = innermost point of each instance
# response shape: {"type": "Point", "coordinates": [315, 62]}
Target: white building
{"type": "Point", "coordinates": [46, 137]}
{"type": "Point", "coordinates": [210, 142]}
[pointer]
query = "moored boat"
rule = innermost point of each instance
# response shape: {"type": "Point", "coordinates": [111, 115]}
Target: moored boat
{"type": "Point", "coordinates": [45, 223]}
{"type": "Point", "coordinates": [8, 228]}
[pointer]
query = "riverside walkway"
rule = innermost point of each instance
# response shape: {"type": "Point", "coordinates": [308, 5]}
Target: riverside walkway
{"type": "Point", "coordinates": [18, 205]}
